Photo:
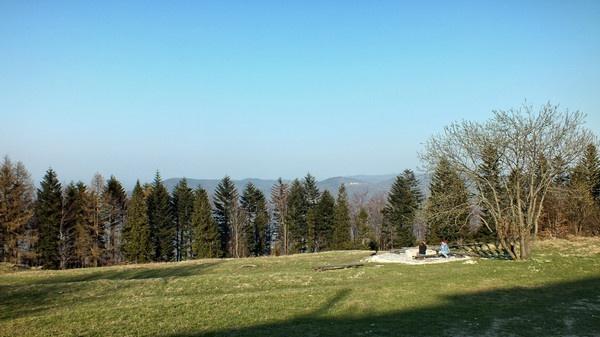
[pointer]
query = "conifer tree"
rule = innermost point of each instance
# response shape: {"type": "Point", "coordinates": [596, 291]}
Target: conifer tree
{"type": "Point", "coordinates": [48, 218]}
{"type": "Point", "coordinates": [324, 225]}
{"type": "Point", "coordinates": [280, 230]}
{"type": "Point", "coordinates": [76, 247]}
{"type": "Point", "coordinates": [206, 241]}
{"type": "Point", "coordinates": [583, 206]}
{"type": "Point", "coordinates": [312, 198]}
{"type": "Point", "coordinates": [254, 204]}
{"type": "Point", "coordinates": [587, 171]}
{"type": "Point", "coordinates": [137, 244]}
{"type": "Point", "coordinates": [183, 205]}
{"type": "Point", "coordinates": [311, 190]}
{"type": "Point", "coordinates": [16, 209]}
{"type": "Point", "coordinates": [161, 221]}
{"type": "Point", "coordinates": [226, 212]}
{"type": "Point", "coordinates": [115, 209]}
{"type": "Point", "coordinates": [448, 205]}
{"type": "Point", "coordinates": [399, 213]}
{"type": "Point", "coordinates": [296, 217]}
{"type": "Point", "coordinates": [341, 226]}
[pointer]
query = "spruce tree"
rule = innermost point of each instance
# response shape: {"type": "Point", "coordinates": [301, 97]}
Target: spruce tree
{"type": "Point", "coordinates": [297, 207]}
{"type": "Point", "coordinates": [312, 198]}
{"type": "Point", "coordinates": [76, 246]}
{"type": "Point", "coordinates": [448, 205]}
{"type": "Point", "coordinates": [206, 240]}
{"type": "Point", "coordinates": [161, 221]}
{"type": "Point", "coordinates": [415, 190]}
{"type": "Point", "coordinates": [226, 215]}
{"type": "Point", "coordinates": [587, 171]}
{"type": "Point", "coordinates": [583, 202]}
{"type": "Point", "coordinates": [341, 226]}
{"type": "Point", "coordinates": [254, 204]}
{"type": "Point", "coordinates": [280, 230]}
{"type": "Point", "coordinates": [16, 209]}
{"type": "Point", "coordinates": [399, 213]}
{"type": "Point", "coordinates": [48, 218]}
{"type": "Point", "coordinates": [115, 209]}
{"type": "Point", "coordinates": [183, 205]}
{"type": "Point", "coordinates": [325, 212]}
{"type": "Point", "coordinates": [137, 243]}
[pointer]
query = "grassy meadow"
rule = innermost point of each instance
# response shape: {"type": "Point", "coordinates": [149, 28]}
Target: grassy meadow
{"type": "Point", "coordinates": [555, 293]}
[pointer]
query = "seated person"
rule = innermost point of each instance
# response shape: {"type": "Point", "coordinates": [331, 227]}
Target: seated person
{"type": "Point", "coordinates": [444, 249]}
{"type": "Point", "coordinates": [422, 249]}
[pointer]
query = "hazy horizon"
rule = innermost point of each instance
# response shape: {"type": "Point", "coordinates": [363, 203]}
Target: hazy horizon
{"type": "Point", "coordinates": [130, 184]}
{"type": "Point", "coordinates": [269, 89]}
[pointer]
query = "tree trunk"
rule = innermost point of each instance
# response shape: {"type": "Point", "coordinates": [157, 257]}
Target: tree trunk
{"type": "Point", "coordinates": [285, 239]}
{"type": "Point", "coordinates": [525, 245]}
{"type": "Point", "coordinates": [507, 248]}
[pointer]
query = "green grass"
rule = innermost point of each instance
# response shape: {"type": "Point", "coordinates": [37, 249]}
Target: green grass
{"type": "Point", "coordinates": [555, 293]}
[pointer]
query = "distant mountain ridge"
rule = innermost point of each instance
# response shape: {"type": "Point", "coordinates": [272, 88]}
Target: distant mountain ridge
{"type": "Point", "coordinates": [368, 185]}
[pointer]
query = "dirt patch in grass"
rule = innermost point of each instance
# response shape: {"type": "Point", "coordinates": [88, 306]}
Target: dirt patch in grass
{"type": "Point", "coordinates": [404, 259]}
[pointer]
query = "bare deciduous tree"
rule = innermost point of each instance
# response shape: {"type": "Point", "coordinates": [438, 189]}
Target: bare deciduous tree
{"type": "Point", "coordinates": [375, 207]}
{"type": "Point", "coordinates": [357, 203]}
{"type": "Point", "coordinates": [97, 226]}
{"type": "Point", "coordinates": [527, 144]}
{"type": "Point", "coordinates": [238, 222]}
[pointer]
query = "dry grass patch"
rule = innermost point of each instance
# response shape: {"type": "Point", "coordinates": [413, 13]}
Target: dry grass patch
{"type": "Point", "coordinates": [571, 246]}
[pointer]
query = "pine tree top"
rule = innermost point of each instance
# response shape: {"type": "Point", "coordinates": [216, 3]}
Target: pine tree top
{"type": "Point", "coordinates": [311, 189]}
{"type": "Point", "coordinates": [49, 185]}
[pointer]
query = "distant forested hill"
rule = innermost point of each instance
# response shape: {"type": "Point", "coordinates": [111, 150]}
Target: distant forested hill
{"type": "Point", "coordinates": [368, 185]}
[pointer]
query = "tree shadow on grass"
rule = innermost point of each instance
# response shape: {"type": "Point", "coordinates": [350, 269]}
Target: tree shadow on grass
{"type": "Point", "coordinates": [68, 287]}
{"type": "Point", "coordinates": [569, 308]}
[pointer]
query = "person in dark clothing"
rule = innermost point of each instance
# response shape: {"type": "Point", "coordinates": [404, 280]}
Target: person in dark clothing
{"type": "Point", "coordinates": [422, 248]}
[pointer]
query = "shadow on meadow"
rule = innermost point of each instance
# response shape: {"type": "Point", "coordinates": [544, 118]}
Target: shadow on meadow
{"type": "Point", "coordinates": [39, 294]}
{"type": "Point", "coordinates": [570, 308]}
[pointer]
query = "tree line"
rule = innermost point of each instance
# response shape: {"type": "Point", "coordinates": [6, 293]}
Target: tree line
{"type": "Point", "coordinates": [508, 180]}
{"type": "Point", "coordinates": [79, 225]}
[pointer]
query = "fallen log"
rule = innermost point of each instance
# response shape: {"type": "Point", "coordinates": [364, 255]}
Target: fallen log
{"type": "Point", "coordinates": [339, 266]}
{"type": "Point", "coordinates": [248, 266]}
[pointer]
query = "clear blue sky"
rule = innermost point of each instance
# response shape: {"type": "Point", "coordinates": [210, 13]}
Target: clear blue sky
{"type": "Point", "coordinates": [266, 89]}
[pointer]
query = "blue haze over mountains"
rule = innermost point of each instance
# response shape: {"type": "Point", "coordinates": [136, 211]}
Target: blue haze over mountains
{"type": "Point", "coordinates": [369, 185]}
